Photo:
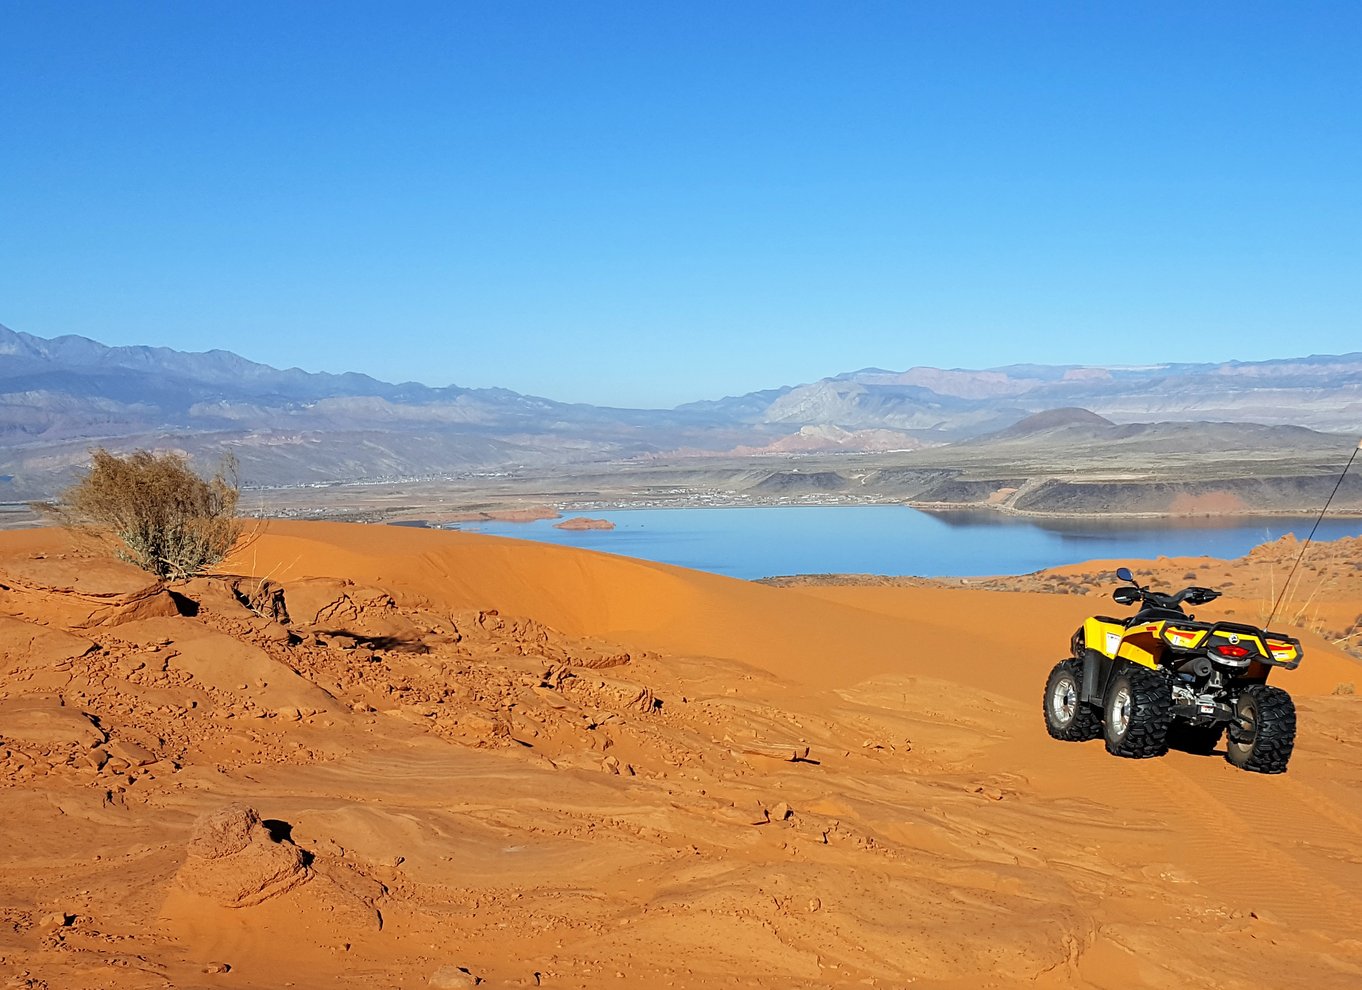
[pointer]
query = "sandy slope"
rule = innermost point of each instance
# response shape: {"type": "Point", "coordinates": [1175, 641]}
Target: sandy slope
{"type": "Point", "coordinates": [424, 759]}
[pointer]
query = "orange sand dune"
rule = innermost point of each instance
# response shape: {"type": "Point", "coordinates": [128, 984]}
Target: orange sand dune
{"type": "Point", "coordinates": [409, 758]}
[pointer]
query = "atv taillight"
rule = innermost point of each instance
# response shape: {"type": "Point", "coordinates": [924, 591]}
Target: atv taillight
{"type": "Point", "coordinates": [1230, 652]}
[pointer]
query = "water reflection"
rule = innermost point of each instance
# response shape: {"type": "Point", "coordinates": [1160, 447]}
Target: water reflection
{"type": "Point", "coordinates": [1088, 525]}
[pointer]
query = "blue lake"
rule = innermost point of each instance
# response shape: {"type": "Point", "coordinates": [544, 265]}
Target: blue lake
{"type": "Point", "coordinates": [890, 539]}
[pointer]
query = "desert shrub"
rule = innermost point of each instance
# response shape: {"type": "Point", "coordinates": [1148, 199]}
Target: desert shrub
{"type": "Point", "coordinates": [160, 514]}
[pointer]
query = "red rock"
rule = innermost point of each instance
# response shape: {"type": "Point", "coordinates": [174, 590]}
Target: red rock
{"type": "Point", "coordinates": [583, 523]}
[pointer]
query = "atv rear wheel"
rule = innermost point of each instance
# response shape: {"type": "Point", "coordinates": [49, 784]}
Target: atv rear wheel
{"type": "Point", "coordinates": [1067, 716]}
{"type": "Point", "coordinates": [1263, 733]}
{"type": "Point", "coordinates": [1137, 713]}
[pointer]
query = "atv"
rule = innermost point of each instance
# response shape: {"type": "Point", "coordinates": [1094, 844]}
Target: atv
{"type": "Point", "coordinates": [1159, 677]}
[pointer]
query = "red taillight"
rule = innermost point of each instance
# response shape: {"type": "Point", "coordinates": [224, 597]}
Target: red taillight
{"type": "Point", "coordinates": [1232, 652]}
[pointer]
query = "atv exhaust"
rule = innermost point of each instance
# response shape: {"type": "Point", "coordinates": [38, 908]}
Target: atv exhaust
{"type": "Point", "coordinates": [1197, 667]}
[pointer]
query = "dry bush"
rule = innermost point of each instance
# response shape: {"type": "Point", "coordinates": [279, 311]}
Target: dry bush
{"type": "Point", "coordinates": [164, 518]}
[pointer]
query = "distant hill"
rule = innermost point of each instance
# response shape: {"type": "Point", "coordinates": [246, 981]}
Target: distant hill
{"type": "Point", "coordinates": [1052, 437]}
{"type": "Point", "coordinates": [1055, 419]}
{"type": "Point", "coordinates": [1322, 392]}
{"type": "Point", "coordinates": [61, 396]}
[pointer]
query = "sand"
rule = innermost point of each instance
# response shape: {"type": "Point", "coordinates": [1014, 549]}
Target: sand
{"type": "Point", "coordinates": [393, 757]}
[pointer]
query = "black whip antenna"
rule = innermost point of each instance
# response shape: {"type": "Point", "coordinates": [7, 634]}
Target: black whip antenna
{"type": "Point", "coordinates": [1337, 485]}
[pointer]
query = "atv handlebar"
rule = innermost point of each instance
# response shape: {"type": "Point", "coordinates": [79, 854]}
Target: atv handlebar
{"type": "Point", "coordinates": [1195, 595]}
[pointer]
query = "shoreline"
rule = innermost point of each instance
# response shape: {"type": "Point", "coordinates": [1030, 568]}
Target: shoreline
{"type": "Point", "coordinates": [1008, 510]}
{"type": "Point", "coordinates": [17, 515]}
{"type": "Point", "coordinates": [931, 508]}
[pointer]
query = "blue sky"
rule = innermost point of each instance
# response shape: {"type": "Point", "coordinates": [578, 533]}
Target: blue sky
{"type": "Point", "coordinates": [641, 203]}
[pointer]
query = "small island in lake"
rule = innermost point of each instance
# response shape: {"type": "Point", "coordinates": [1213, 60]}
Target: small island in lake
{"type": "Point", "coordinates": [583, 523]}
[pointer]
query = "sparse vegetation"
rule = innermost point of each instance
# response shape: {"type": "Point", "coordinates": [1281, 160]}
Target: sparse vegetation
{"type": "Point", "coordinates": [156, 511]}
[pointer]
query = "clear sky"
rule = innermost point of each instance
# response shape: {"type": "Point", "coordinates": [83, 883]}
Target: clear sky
{"type": "Point", "coordinates": [645, 203]}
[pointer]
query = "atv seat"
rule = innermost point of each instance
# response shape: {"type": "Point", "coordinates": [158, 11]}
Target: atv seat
{"type": "Point", "coordinates": [1154, 614]}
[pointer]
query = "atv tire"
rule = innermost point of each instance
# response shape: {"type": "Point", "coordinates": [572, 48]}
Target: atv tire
{"type": "Point", "coordinates": [1263, 735]}
{"type": "Point", "coordinates": [1067, 716]}
{"type": "Point", "coordinates": [1137, 713]}
{"type": "Point", "coordinates": [1200, 740]}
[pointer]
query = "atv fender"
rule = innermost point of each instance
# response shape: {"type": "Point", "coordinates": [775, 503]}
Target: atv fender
{"type": "Point", "coordinates": [1097, 671]}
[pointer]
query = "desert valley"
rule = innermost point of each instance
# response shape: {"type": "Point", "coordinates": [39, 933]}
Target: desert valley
{"type": "Point", "coordinates": [1171, 439]}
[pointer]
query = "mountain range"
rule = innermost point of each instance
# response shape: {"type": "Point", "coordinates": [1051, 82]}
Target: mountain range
{"type": "Point", "coordinates": [61, 396]}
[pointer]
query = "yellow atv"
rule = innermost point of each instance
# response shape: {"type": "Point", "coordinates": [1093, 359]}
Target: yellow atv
{"type": "Point", "coordinates": [1160, 677]}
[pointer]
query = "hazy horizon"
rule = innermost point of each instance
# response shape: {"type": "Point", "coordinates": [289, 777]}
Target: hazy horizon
{"type": "Point", "coordinates": [715, 398]}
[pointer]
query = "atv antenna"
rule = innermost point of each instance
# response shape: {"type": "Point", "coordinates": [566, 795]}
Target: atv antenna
{"type": "Point", "coordinates": [1306, 546]}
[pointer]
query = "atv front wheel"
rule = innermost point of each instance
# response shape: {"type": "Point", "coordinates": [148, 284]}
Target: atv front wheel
{"type": "Point", "coordinates": [1137, 713]}
{"type": "Point", "coordinates": [1067, 716]}
{"type": "Point", "coordinates": [1263, 731]}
